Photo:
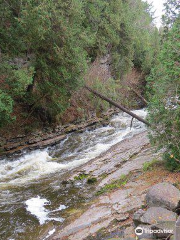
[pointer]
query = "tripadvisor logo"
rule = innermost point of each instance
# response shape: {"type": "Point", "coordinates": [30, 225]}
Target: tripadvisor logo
{"type": "Point", "coordinates": [139, 231]}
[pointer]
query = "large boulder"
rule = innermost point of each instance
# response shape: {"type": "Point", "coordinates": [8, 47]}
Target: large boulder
{"type": "Point", "coordinates": [157, 214]}
{"type": "Point", "coordinates": [160, 220]}
{"type": "Point", "coordinates": [153, 215]}
{"type": "Point", "coordinates": [166, 228]}
{"type": "Point", "coordinates": [163, 195]}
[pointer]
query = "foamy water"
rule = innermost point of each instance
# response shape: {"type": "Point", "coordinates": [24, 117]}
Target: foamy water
{"type": "Point", "coordinates": [37, 207]}
{"type": "Point", "coordinates": [90, 144]}
{"type": "Point", "coordinates": [32, 183]}
{"type": "Point", "coordinates": [50, 233]}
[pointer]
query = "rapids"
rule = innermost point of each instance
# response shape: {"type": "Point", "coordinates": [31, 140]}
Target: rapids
{"type": "Point", "coordinates": [31, 196]}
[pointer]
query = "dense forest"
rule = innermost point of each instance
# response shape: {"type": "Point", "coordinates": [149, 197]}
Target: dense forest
{"type": "Point", "coordinates": [47, 47]}
{"type": "Point", "coordinates": [164, 88]}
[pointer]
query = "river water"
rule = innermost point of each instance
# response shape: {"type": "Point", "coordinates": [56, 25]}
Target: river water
{"type": "Point", "coordinates": [32, 196]}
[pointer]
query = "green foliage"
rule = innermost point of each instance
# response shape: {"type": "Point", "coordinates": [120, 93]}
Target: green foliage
{"type": "Point", "coordinates": [164, 108]}
{"type": "Point", "coordinates": [6, 107]}
{"type": "Point", "coordinates": [146, 36]}
{"type": "Point", "coordinates": [172, 162]}
{"type": "Point", "coordinates": [92, 180]}
{"type": "Point", "coordinates": [19, 80]}
{"type": "Point", "coordinates": [81, 176]}
{"type": "Point", "coordinates": [56, 40]}
{"type": "Point", "coordinates": [104, 87]}
{"type": "Point", "coordinates": [149, 166]}
{"type": "Point", "coordinates": [172, 8]}
{"type": "Point", "coordinates": [114, 185]}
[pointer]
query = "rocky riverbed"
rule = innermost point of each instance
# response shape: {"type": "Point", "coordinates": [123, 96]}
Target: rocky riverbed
{"type": "Point", "coordinates": [94, 184]}
{"type": "Point", "coordinates": [122, 196]}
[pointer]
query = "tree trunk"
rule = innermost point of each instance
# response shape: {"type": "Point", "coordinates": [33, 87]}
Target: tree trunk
{"type": "Point", "coordinates": [117, 105]}
{"type": "Point", "coordinates": [139, 95]}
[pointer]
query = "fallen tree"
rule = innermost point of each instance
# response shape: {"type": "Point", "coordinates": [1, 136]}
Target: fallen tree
{"type": "Point", "coordinates": [139, 95]}
{"type": "Point", "coordinates": [117, 105]}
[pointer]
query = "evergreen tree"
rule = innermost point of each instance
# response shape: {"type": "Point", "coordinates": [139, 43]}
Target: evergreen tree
{"type": "Point", "coordinates": [47, 45]}
{"type": "Point", "coordinates": [164, 107]}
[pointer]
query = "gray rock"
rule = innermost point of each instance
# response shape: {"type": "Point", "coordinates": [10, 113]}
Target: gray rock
{"type": "Point", "coordinates": [129, 233]}
{"type": "Point", "coordinates": [146, 234]}
{"type": "Point", "coordinates": [137, 216]}
{"type": "Point", "coordinates": [122, 217]}
{"type": "Point", "coordinates": [163, 195]}
{"type": "Point", "coordinates": [167, 227]}
{"type": "Point", "coordinates": [128, 239]}
{"type": "Point", "coordinates": [157, 214]}
{"type": "Point", "coordinates": [116, 239]}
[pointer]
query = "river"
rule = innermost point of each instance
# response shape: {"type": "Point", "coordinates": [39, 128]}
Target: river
{"type": "Point", "coordinates": [32, 196]}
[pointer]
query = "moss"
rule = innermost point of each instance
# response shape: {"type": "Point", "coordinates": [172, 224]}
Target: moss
{"type": "Point", "coordinates": [104, 175]}
{"type": "Point", "coordinates": [115, 184]}
{"type": "Point", "coordinates": [143, 206]}
{"type": "Point", "coordinates": [91, 180]}
{"type": "Point", "coordinates": [149, 166]}
{"type": "Point", "coordinates": [177, 184]}
{"type": "Point", "coordinates": [73, 211]}
{"type": "Point", "coordinates": [2, 150]}
{"type": "Point", "coordinates": [81, 176]}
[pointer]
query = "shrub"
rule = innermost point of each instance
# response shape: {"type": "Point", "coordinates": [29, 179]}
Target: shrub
{"type": "Point", "coordinates": [6, 108]}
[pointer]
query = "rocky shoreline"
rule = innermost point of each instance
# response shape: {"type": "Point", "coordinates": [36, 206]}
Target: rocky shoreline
{"type": "Point", "coordinates": [50, 136]}
{"type": "Point", "coordinates": [120, 196]}
{"type": "Point", "coordinates": [125, 188]}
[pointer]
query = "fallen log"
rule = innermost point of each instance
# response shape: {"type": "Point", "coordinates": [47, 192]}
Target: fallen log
{"type": "Point", "coordinates": [117, 105]}
{"type": "Point", "coordinates": [139, 95]}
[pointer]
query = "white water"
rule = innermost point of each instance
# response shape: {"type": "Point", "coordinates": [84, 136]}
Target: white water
{"type": "Point", "coordinates": [33, 183]}
{"type": "Point", "coordinates": [36, 206]}
{"type": "Point", "coordinates": [49, 234]}
{"type": "Point", "coordinates": [76, 150]}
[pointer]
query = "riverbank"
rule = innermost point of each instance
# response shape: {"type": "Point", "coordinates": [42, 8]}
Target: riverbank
{"type": "Point", "coordinates": [39, 176]}
{"type": "Point", "coordinates": [50, 136]}
{"type": "Point", "coordinates": [115, 185]}
{"type": "Point", "coordinates": [81, 184]}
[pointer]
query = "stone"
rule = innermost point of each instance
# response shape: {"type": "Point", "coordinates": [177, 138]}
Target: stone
{"type": "Point", "coordinates": [168, 227]}
{"type": "Point", "coordinates": [137, 216]}
{"type": "Point", "coordinates": [122, 217]}
{"type": "Point", "coordinates": [146, 234]}
{"type": "Point", "coordinates": [129, 232]}
{"type": "Point", "coordinates": [115, 239]}
{"type": "Point", "coordinates": [91, 221]}
{"type": "Point", "coordinates": [128, 239]}
{"type": "Point", "coordinates": [157, 214]}
{"type": "Point", "coordinates": [163, 195]}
